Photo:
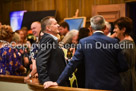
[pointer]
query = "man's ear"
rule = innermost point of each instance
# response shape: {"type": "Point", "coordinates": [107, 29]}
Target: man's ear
{"type": "Point", "coordinates": [48, 28]}
{"type": "Point", "coordinates": [90, 27]}
{"type": "Point", "coordinates": [123, 29]}
{"type": "Point", "coordinates": [104, 27]}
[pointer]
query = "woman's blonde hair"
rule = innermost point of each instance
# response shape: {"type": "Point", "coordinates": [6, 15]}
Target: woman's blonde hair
{"type": "Point", "coordinates": [16, 37]}
{"type": "Point", "coordinates": [68, 37]}
{"type": "Point", "coordinates": [6, 32]}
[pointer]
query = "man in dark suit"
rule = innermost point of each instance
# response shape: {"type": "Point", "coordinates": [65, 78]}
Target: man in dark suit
{"type": "Point", "coordinates": [50, 58]}
{"type": "Point", "coordinates": [102, 57]}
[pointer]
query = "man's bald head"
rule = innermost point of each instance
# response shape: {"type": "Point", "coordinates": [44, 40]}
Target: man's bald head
{"type": "Point", "coordinates": [36, 28]}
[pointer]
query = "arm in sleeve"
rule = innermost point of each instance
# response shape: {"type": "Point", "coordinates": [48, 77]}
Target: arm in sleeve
{"type": "Point", "coordinates": [71, 66]}
{"type": "Point", "coordinates": [42, 60]}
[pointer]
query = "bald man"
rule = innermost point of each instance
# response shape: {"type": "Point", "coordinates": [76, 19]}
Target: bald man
{"type": "Point", "coordinates": [36, 27]}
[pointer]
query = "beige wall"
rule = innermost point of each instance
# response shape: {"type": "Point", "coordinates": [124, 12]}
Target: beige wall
{"type": "Point", "coordinates": [65, 8]}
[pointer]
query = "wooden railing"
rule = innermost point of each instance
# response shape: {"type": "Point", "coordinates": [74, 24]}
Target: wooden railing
{"type": "Point", "coordinates": [35, 86]}
{"type": "Point", "coordinates": [15, 79]}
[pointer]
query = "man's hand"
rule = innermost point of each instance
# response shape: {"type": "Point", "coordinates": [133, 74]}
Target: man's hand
{"type": "Point", "coordinates": [26, 78]}
{"type": "Point", "coordinates": [49, 83]}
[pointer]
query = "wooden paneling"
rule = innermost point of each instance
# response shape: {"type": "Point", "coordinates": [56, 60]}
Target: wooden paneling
{"type": "Point", "coordinates": [6, 8]}
{"type": "Point", "coordinates": [41, 5]}
{"type": "Point", "coordinates": [117, 1]}
{"type": "Point", "coordinates": [72, 6]}
{"type": "Point", "coordinates": [29, 5]}
{"type": "Point", "coordinates": [86, 9]}
{"type": "Point", "coordinates": [16, 5]}
{"type": "Point", "coordinates": [109, 12]}
{"type": "Point", "coordinates": [100, 2]}
{"type": "Point", "coordinates": [0, 11]}
{"type": "Point", "coordinates": [130, 0]}
{"type": "Point", "coordinates": [64, 8]}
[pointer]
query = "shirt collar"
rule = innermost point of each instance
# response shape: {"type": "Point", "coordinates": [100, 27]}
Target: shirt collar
{"type": "Point", "coordinates": [55, 38]}
{"type": "Point", "coordinates": [37, 38]}
{"type": "Point", "coordinates": [98, 31]}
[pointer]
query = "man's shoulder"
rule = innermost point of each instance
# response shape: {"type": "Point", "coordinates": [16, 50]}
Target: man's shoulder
{"type": "Point", "coordinates": [92, 38]}
{"type": "Point", "coordinates": [46, 37]}
{"type": "Point", "coordinates": [87, 39]}
{"type": "Point", "coordinates": [113, 39]}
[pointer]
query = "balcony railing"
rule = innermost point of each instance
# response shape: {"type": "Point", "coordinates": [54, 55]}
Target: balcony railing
{"type": "Point", "coordinates": [33, 85]}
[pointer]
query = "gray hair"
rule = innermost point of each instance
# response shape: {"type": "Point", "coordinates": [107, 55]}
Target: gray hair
{"type": "Point", "coordinates": [97, 22]}
{"type": "Point", "coordinates": [44, 22]}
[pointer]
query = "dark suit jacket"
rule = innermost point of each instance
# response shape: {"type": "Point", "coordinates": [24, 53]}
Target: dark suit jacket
{"type": "Point", "coordinates": [50, 59]}
{"type": "Point", "coordinates": [102, 65]}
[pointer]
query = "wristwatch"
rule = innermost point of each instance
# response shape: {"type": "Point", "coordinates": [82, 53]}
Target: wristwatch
{"type": "Point", "coordinates": [30, 75]}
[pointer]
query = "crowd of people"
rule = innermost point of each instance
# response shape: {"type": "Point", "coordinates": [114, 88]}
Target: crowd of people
{"type": "Point", "coordinates": [93, 57]}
